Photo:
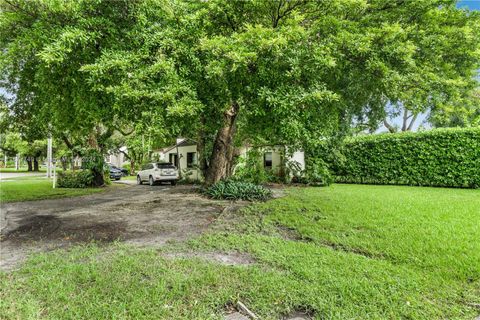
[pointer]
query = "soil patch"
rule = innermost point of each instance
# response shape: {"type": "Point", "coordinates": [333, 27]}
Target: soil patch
{"type": "Point", "coordinates": [140, 215]}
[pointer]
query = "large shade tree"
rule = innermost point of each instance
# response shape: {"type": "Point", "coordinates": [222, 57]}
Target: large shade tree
{"type": "Point", "coordinates": [230, 72]}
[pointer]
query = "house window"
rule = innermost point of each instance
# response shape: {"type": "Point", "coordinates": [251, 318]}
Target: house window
{"type": "Point", "coordinates": [173, 159]}
{"type": "Point", "coordinates": [191, 159]}
{"type": "Point", "coordinates": [267, 160]}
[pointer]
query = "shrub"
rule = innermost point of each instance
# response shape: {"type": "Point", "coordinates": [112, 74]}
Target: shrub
{"type": "Point", "coordinates": [127, 167]}
{"type": "Point", "coordinates": [250, 168]}
{"type": "Point", "coordinates": [77, 179]}
{"type": "Point", "coordinates": [317, 173]}
{"type": "Point", "coordinates": [440, 157]}
{"type": "Point", "coordinates": [238, 190]}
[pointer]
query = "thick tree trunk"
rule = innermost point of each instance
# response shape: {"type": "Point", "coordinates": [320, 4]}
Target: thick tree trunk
{"type": "Point", "coordinates": [35, 164]}
{"type": "Point", "coordinates": [222, 153]}
{"type": "Point", "coordinates": [98, 179]}
{"type": "Point", "coordinates": [132, 167]}
{"type": "Point", "coordinates": [29, 163]}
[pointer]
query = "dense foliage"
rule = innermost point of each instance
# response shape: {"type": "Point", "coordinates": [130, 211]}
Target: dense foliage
{"type": "Point", "coordinates": [75, 179]}
{"type": "Point", "coordinates": [441, 157]}
{"type": "Point", "coordinates": [229, 72]}
{"type": "Point", "coordinates": [237, 190]}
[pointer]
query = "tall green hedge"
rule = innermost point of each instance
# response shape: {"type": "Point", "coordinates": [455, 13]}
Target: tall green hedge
{"type": "Point", "coordinates": [440, 157]}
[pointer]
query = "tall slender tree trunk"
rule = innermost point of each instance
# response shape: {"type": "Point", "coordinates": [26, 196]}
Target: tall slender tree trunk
{"type": "Point", "coordinates": [222, 153]}
{"type": "Point", "coordinates": [35, 164]}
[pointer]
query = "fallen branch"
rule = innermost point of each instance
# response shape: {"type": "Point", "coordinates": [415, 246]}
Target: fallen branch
{"type": "Point", "coordinates": [245, 310]}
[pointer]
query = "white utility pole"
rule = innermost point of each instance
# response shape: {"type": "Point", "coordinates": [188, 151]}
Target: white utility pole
{"type": "Point", "coordinates": [5, 161]}
{"type": "Point", "coordinates": [17, 162]}
{"type": "Point", "coordinates": [49, 157]}
{"type": "Point", "coordinates": [54, 175]}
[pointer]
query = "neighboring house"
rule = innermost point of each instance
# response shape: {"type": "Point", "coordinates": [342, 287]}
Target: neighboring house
{"type": "Point", "coordinates": [117, 159]}
{"type": "Point", "coordinates": [184, 156]}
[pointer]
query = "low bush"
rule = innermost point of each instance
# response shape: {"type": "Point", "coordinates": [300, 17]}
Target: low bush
{"type": "Point", "coordinates": [440, 157]}
{"type": "Point", "coordinates": [250, 168]}
{"type": "Point", "coordinates": [237, 190]}
{"type": "Point", "coordinates": [76, 179]}
{"type": "Point", "coordinates": [317, 173]}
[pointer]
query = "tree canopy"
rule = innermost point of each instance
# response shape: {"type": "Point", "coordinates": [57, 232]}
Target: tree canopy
{"type": "Point", "coordinates": [233, 72]}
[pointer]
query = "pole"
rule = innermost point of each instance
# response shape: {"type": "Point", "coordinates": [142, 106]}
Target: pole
{"type": "Point", "coordinates": [49, 157]}
{"type": "Point", "coordinates": [54, 175]}
{"type": "Point", "coordinates": [5, 161]}
{"type": "Point", "coordinates": [16, 162]}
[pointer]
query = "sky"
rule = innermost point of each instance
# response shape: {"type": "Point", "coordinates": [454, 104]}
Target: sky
{"type": "Point", "coordinates": [470, 4]}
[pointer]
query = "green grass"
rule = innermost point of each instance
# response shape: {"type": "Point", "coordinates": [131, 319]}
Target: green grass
{"type": "Point", "coordinates": [21, 169]}
{"type": "Point", "coordinates": [343, 252]}
{"type": "Point", "coordinates": [36, 188]}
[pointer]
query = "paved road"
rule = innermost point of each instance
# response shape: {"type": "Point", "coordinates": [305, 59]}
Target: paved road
{"type": "Point", "coordinates": [10, 175]}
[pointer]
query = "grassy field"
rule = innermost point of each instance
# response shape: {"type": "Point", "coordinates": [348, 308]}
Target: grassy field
{"type": "Point", "coordinates": [342, 252]}
{"type": "Point", "coordinates": [36, 188]}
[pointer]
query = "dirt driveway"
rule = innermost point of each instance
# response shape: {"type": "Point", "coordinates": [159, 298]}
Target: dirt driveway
{"type": "Point", "coordinates": [141, 215]}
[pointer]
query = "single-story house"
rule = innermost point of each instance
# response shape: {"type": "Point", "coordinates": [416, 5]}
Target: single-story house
{"type": "Point", "coordinates": [184, 156]}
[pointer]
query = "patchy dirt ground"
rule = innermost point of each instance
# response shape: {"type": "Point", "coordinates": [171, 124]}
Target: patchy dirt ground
{"type": "Point", "coordinates": [141, 215]}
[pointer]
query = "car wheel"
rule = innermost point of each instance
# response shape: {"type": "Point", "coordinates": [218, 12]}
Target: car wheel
{"type": "Point", "coordinates": [150, 181]}
{"type": "Point", "coordinates": [173, 182]}
{"type": "Point", "coordinates": [139, 181]}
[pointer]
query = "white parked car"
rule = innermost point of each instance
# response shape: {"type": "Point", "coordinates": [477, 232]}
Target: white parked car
{"type": "Point", "coordinates": [158, 172]}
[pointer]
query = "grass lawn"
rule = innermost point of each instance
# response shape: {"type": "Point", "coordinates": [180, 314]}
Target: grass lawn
{"type": "Point", "coordinates": [342, 252]}
{"type": "Point", "coordinates": [21, 169]}
{"type": "Point", "coordinates": [35, 188]}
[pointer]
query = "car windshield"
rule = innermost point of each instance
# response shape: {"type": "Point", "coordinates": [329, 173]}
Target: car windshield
{"type": "Point", "coordinates": [165, 165]}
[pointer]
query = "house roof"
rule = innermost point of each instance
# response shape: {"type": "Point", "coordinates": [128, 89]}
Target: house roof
{"type": "Point", "coordinates": [183, 143]}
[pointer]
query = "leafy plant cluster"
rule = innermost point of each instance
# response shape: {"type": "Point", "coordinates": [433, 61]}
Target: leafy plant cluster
{"type": "Point", "coordinates": [317, 173]}
{"type": "Point", "coordinates": [237, 190]}
{"type": "Point", "coordinates": [251, 169]}
{"type": "Point", "coordinates": [75, 179]}
{"type": "Point", "coordinates": [441, 158]}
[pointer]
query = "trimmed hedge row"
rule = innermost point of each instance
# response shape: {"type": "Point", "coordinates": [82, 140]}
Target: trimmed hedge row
{"type": "Point", "coordinates": [440, 157]}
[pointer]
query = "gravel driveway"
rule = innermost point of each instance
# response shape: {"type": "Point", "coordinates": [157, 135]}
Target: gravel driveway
{"type": "Point", "coordinates": [140, 215]}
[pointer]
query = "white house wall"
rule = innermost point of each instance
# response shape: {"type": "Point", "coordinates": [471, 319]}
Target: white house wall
{"type": "Point", "coordinates": [183, 150]}
{"type": "Point", "coordinates": [297, 156]}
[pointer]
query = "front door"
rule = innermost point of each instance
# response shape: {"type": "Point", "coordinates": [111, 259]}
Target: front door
{"type": "Point", "coordinates": [173, 159]}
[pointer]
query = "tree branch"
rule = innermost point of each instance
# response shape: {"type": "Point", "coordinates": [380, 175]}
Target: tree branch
{"type": "Point", "coordinates": [123, 132]}
{"type": "Point", "coordinates": [410, 126]}
{"type": "Point", "coordinates": [389, 126]}
{"type": "Point", "coordinates": [67, 142]}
